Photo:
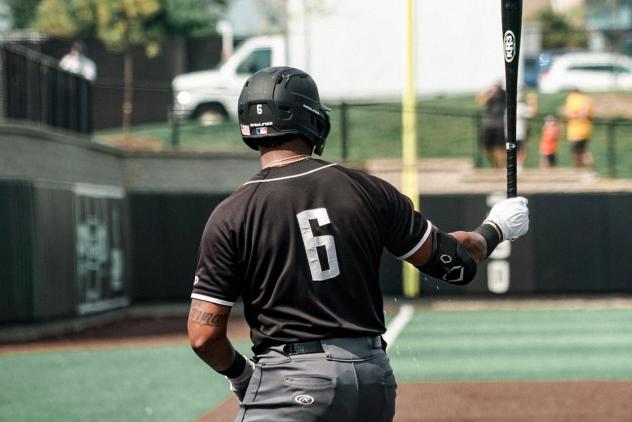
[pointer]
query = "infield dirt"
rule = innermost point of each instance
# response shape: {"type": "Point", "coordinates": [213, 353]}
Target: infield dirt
{"type": "Point", "coordinates": [591, 401]}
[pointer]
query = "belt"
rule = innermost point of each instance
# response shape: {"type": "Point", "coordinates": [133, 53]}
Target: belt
{"type": "Point", "coordinates": [303, 347]}
{"type": "Point", "coordinates": [315, 346]}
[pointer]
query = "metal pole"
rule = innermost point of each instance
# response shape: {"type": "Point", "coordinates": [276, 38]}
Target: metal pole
{"type": "Point", "coordinates": [175, 132]}
{"type": "Point", "coordinates": [344, 133]}
{"type": "Point", "coordinates": [612, 156]}
{"type": "Point", "coordinates": [477, 139]}
{"type": "Point", "coordinates": [3, 82]}
{"type": "Point", "coordinates": [410, 274]}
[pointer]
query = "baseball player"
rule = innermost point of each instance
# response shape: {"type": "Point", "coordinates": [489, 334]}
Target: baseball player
{"type": "Point", "coordinates": [300, 243]}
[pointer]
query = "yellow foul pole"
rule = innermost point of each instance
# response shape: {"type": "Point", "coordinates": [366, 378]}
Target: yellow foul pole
{"type": "Point", "coordinates": [410, 274]}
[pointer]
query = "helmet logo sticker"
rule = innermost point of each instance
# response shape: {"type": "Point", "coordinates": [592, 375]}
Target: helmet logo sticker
{"type": "Point", "coordinates": [313, 110]}
{"type": "Point", "coordinates": [261, 130]}
{"type": "Point", "coordinates": [245, 130]}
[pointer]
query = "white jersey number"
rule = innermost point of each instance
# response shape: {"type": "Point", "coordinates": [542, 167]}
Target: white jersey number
{"type": "Point", "coordinates": [312, 242]}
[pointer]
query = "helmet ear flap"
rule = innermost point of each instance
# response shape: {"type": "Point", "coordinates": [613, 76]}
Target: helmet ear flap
{"type": "Point", "coordinates": [326, 128]}
{"type": "Point", "coordinates": [318, 149]}
{"type": "Point", "coordinates": [323, 126]}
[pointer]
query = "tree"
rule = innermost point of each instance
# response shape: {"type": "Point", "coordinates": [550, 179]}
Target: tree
{"type": "Point", "coordinates": [192, 18]}
{"type": "Point", "coordinates": [22, 12]}
{"type": "Point", "coordinates": [558, 31]}
{"type": "Point", "coordinates": [123, 24]}
{"type": "Point", "coordinates": [65, 18]}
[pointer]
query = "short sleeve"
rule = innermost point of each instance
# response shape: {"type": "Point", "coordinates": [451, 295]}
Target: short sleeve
{"type": "Point", "coordinates": [217, 278]}
{"type": "Point", "coordinates": [406, 230]}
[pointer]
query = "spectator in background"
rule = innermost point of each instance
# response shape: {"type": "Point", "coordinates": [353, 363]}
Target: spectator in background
{"type": "Point", "coordinates": [524, 112]}
{"type": "Point", "coordinates": [493, 130]}
{"type": "Point", "coordinates": [579, 115]}
{"type": "Point", "coordinates": [76, 62]}
{"type": "Point", "coordinates": [551, 134]}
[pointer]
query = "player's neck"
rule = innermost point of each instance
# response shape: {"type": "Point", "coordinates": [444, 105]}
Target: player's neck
{"type": "Point", "coordinates": [289, 152]}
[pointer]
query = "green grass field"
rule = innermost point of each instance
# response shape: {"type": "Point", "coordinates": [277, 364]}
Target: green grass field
{"type": "Point", "coordinates": [169, 383]}
{"type": "Point", "coordinates": [162, 383]}
{"type": "Point", "coordinates": [446, 128]}
{"type": "Point", "coordinates": [515, 345]}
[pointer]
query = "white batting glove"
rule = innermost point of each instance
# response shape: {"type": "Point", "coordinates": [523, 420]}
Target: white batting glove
{"type": "Point", "coordinates": [511, 216]}
{"type": "Point", "coordinates": [239, 384]}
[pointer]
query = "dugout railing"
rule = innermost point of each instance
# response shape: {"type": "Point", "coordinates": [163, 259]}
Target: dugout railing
{"type": "Point", "coordinates": [33, 88]}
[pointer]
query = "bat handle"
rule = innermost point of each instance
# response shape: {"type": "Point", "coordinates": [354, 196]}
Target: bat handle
{"type": "Point", "coordinates": [512, 182]}
{"type": "Point", "coordinates": [511, 145]}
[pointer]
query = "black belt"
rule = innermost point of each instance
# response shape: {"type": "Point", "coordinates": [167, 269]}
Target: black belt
{"type": "Point", "coordinates": [303, 347]}
{"type": "Point", "coordinates": [315, 346]}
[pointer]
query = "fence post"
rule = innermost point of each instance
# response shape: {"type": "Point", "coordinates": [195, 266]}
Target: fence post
{"type": "Point", "coordinates": [3, 82]}
{"type": "Point", "coordinates": [344, 139]}
{"type": "Point", "coordinates": [175, 129]}
{"type": "Point", "coordinates": [476, 147]}
{"type": "Point", "coordinates": [611, 150]}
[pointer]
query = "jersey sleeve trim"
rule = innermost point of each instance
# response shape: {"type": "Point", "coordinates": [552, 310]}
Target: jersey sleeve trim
{"type": "Point", "coordinates": [418, 245]}
{"type": "Point", "coordinates": [211, 299]}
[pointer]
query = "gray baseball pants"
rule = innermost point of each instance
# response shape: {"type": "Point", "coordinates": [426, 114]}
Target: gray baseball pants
{"type": "Point", "coordinates": [351, 380]}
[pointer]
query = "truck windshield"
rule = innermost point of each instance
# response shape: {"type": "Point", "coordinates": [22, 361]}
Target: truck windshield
{"type": "Point", "coordinates": [255, 61]}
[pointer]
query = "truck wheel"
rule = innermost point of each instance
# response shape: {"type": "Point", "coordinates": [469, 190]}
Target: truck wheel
{"type": "Point", "coordinates": [210, 115]}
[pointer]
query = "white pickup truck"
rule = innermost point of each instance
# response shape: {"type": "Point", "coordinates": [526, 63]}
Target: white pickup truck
{"type": "Point", "coordinates": [211, 95]}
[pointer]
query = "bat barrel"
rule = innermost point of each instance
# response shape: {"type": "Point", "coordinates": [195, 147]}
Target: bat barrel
{"type": "Point", "coordinates": [512, 26]}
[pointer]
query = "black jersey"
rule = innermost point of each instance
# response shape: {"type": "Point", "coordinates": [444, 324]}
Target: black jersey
{"type": "Point", "coordinates": [301, 244]}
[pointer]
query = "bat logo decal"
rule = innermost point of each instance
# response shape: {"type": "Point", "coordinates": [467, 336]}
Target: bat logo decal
{"type": "Point", "coordinates": [509, 44]}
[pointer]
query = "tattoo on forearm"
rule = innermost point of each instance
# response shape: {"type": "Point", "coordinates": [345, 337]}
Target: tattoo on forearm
{"type": "Point", "coordinates": [208, 318]}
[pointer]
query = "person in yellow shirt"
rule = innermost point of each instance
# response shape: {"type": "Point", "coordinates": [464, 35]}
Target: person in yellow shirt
{"type": "Point", "coordinates": [579, 115]}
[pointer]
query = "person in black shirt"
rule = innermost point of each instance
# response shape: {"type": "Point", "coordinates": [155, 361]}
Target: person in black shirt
{"type": "Point", "coordinates": [493, 129]}
{"type": "Point", "coordinates": [300, 243]}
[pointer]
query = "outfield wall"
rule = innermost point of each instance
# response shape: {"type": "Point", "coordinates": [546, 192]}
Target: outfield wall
{"type": "Point", "coordinates": [577, 243]}
{"type": "Point", "coordinates": [66, 221]}
{"type": "Point", "coordinates": [86, 228]}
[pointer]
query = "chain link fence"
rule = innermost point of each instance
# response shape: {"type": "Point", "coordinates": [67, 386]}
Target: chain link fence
{"type": "Point", "coordinates": [368, 131]}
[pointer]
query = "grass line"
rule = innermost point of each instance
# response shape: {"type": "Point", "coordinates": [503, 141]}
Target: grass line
{"type": "Point", "coordinates": [398, 323]}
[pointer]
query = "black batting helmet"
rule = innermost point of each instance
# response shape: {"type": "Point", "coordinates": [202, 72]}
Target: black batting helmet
{"type": "Point", "coordinates": [280, 101]}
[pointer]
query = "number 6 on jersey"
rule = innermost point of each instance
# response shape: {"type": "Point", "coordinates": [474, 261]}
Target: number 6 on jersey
{"type": "Point", "coordinates": [312, 242]}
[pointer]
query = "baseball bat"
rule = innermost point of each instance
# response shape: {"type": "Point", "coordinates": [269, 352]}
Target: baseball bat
{"type": "Point", "coordinates": [512, 27]}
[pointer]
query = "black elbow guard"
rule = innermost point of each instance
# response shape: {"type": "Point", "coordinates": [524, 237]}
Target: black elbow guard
{"type": "Point", "coordinates": [449, 261]}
